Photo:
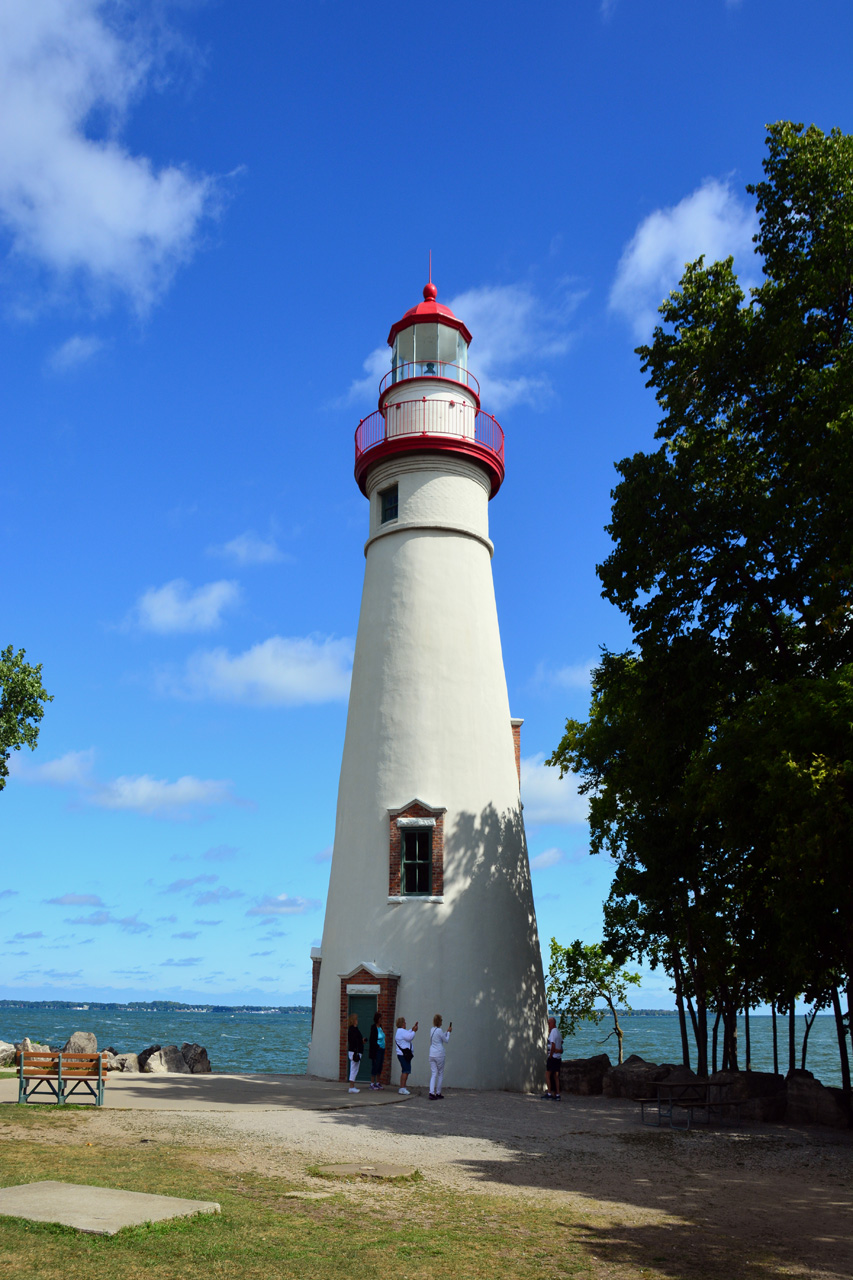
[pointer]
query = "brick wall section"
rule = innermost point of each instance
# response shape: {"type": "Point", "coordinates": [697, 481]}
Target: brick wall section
{"type": "Point", "coordinates": [395, 858]}
{"type": "Point", "coordinates": [315, 982]}
{"type": "Point", "coordinates": [516, 742]}
{"type": "Point", "coordinates": [386, 1004]}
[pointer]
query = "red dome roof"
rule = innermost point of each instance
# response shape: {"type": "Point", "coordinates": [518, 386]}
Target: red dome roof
{"type": "Point", "coordinates": [428, 311]}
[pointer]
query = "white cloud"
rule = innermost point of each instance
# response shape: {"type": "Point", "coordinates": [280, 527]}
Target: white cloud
{"type": "Point", "coordinates": [574, 676]}
{"type": "Point", "coordinates": [547, 797]}
{"type": "Point", "coordinates": [73, 352]}
{"type": "Point", "coordinates": [710, 221]}
{"type": "Point", "coordinates": [323, 855]}
{"type": "Point", "coordinates": [213, 897]}
{"type": "Point", "coordinates": [250, 548]}
{"type": "Point", "coordinates": [156, 796]}
{"type": "Point", "coordinates": [71, 202]}
{"type": "Point", "coordinates": [179, 886]}
{"type": "Point", "coordinates": [283, 905]}
{"type": "Point", "coordinates": [176, 607]}
{"type": "Point", "coordinates": [514, 330]}
{"type": "Point", "coordinates": [220, 853]}
{"type": "Point", "coordinates": [548, 858]}
{"type": "Point", "coordinates": [72, 769]}
{"type": "Point", "coordinates": [75, 900]}
{"type": "Point", "coordinates": [280, 671]}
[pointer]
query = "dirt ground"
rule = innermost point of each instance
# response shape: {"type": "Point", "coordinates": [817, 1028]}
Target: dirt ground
{"type": "Point", "coordinates": [742, 1194]}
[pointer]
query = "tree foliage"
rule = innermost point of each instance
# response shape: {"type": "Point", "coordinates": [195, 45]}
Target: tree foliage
{"type": "Point", "coordinates": [717, 754]}
{"type": "Point", "coordinates": [578, 977]}
{"type": "Point", "coordinates": [22, 696]}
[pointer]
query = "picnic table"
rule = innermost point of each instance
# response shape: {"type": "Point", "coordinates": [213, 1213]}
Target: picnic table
{"type": "Point", "coordinates": [683, 1104]}
{"type": "Point", "coordinates": [44, 1073]}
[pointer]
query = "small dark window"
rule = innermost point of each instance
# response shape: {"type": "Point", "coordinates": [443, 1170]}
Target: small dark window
{"type": "Point", "coordinates": [389, 504]}
{"type": "Point", "coordinates": [417, 860]}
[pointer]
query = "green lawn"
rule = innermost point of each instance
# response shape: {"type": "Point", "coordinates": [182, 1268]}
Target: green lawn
{"type": "Point", "coordinates": [404, 1229]}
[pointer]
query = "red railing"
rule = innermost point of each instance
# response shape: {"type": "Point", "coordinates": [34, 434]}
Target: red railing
{"type": "Point", "coordinates": [456, 419]}
{"type": "Point", "coordinates": [408, 369]}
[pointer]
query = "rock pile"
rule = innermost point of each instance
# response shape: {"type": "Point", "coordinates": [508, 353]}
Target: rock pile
{"type": "Point", "coordinates": [797, 1098]}
{"type": "Point", "coordinates": [190, 1059]}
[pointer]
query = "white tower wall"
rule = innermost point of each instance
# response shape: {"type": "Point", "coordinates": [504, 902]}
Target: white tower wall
{"type": "Point", "coordinates": [429, 719]}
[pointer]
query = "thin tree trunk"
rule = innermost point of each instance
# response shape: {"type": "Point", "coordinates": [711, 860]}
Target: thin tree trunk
{"type": "Point", "coordinates": [746, 1039]}
{"type": "Point", "coordinates": [714, 1041]}
{"type": "Point", "coordinates": [841, 1032]}
{"type": "Point", "coordinates": [809, 1025]}
{"type": "Point", "coordinates": [775, 1042]}
{"type": "Point", "coordinates": [679, 1004]}
{"type": "Point", "coordinates": [792, 1036]}
{"type": "Point", "coordinates": [702, 1037]}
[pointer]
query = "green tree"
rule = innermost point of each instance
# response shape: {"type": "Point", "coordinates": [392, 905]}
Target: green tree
{"type": "Point", "coordinates": [22, 695]}
{"type": "Point", "coordinates": [579, 976]}
{"type": "Point", "coordinates": [718, 754]}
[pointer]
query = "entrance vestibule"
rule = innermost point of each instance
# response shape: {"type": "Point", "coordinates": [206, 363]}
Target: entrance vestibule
{"type": "Point", "coordinates": [365, 1008]}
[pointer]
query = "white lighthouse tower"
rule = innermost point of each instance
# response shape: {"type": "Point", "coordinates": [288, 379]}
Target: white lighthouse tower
{"type": "Point", "coordinates": [430, 908]}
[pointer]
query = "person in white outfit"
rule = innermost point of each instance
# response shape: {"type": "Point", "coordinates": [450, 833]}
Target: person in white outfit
{"type": "Point", "coordinates": [437, 1041]}
{"type": "Point", "coordinates": [403, 1041]}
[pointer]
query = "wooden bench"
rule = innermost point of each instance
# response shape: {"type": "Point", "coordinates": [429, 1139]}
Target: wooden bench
{"type": "Point", "coordinates": [43, 1072]}
{"type": "Point", "coordinates": [710, 1101]}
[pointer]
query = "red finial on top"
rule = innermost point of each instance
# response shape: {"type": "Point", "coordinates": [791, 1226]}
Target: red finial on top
{"type": "Point", "coordinates": [430, 292]}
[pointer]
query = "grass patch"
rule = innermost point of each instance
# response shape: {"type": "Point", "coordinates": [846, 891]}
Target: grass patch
{"type": "Point", "coordinates": [404, 1229]}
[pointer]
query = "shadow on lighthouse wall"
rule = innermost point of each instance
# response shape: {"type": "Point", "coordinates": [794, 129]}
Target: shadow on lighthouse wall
{"type": "Point", "coordinates": [487, 962]}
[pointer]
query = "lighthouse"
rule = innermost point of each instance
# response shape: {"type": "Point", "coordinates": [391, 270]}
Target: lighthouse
{"type": "Point", "coordinates": [430, 907]}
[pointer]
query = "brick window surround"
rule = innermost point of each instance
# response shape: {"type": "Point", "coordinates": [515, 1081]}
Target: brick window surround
{"type": "Point", "coordinates": [415, 814]}
{"type": "Point", "coordinates": [386, 1004]}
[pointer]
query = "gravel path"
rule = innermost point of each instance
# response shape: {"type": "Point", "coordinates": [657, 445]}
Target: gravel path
{"type": "Point", "coordinates": [763, 1189]}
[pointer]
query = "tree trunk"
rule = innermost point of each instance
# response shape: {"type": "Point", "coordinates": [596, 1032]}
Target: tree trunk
{"type": "Point", "coordinates": [679, 1004]}
{"type": "Point", "coordinates": [701, 1037]}
{"type": "Point", "coordinates": [714, 1040]}
{"type": "Point", "coordinates": [809, 1025]}
{"type": "Point", "coordinates": [775, 1042]}
{"type": "Point", "coordinates": [792, 1036]}
{"type": "Point", "coordinates": [746, 1039]}
{"type": "Point", "coordinates": [841, 1032]}
{"type": "Point", "coordinates": [616, 1027]}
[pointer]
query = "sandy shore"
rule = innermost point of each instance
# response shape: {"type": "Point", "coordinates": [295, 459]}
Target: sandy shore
{"type": "Point", "coordinates": [757, 1190]}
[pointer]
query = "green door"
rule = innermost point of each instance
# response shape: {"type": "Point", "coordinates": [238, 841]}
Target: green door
{"type": "Point", "coordinates": [365, 1007]}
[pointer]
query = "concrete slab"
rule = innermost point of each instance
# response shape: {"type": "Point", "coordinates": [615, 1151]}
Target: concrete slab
{"type": "Point", "coordinates": [366, 1170]}
{"type": "Point", "coordinates": [99, 1211]}
{"type": "Point", "coordinates": [262, 1091]}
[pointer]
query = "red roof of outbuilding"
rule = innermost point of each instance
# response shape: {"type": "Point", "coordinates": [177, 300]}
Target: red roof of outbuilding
{"type": "Point", "coordinates": [426, 311]}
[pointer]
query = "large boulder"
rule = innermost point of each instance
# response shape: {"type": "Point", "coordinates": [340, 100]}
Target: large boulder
{"type": "Point", "coordinates": [146, 1054]}
{"type": "Point", "coordinates": [760, 1093]}
{"type": "Point", "coordinates": [634, 1078]}
{"type": "Point", "coordinates": [166, 1061]}
{"type": "Point", "coordinates": [195, 1056]}
{"type": "Point", "coordinates": [7, 1053]}
{"type": "Point", "coordinates": [81, 1042]}
{"type": "Point", "coordinates": [583, 1075]}
{"type": "Point", "coordinates": [810, 1102]}
{"type": "Point", "coordinates": [127, 1062]}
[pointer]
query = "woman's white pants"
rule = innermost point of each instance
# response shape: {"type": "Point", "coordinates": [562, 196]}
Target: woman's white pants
{"type": "Point", "coordinates": [353, 1067]}
{"type": "Point", "coordinates": [436, 1073]}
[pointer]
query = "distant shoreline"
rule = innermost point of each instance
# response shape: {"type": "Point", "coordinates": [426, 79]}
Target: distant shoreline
{"type": "Point", "coordinates": [153, 1006]}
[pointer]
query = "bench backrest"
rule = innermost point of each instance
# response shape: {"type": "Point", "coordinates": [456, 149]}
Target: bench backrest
{"type": "Point", "coordinates": [44, 1062]}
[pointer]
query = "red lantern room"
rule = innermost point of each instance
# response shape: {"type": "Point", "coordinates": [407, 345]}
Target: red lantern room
{"type": "Point", "coordinates": [428, 401]}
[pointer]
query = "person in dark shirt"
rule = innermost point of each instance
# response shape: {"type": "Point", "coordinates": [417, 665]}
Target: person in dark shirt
{"type": "Point", "coordinates": [355, 1048]}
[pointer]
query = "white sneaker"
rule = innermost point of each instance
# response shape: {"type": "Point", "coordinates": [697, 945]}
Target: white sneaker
{"type": "Point", "coordinates": [353, 1090]}
{"type": "Point", "coordinates": [403, 1091]}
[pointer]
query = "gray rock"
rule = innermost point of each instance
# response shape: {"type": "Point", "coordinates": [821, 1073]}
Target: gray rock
{"type": "Point", "coordinates": [635, 1078]}
{"type": "Point", "coordinates": [810, 1102]}
{"type": "Point", "coordinates": [7, 1053]}
{"type": "Point", "coordinates": [195, 1056]}
{"type": "Point", "coordinates": [760, 1093]}
{"type": "Point", "coordinates": [146, 1054]}
{"type": "Point", "coordinates": [112, 1062]}
{"type": "Point", "coordinates": [584, 1075]}
{"type": "Point", "coordinates": [127, 1062]}
{"type": "Point", "coordinates": [166, 1061]}
{"type": "Point", "coordinates": [81, 1042]}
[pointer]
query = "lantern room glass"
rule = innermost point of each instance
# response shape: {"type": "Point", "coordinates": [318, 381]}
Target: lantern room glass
{"type": "Point", "coordinates": [429, 350]}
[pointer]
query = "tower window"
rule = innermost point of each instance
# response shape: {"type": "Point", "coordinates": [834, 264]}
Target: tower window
{"type": "Point", "coordinates": [416, 869]}
{"type": "Point", "coordinates": [388, 499]}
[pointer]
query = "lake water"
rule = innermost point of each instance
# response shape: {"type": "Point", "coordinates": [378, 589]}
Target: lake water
{"type": "Point", "coordinates": [278, 1041]}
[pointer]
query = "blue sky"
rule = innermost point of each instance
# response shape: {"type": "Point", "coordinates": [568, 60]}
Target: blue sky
{"type": "Point", "coordinates": [210, 215]}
